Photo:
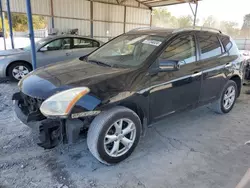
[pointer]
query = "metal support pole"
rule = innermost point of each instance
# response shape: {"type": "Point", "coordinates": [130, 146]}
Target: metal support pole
{"type": "Point", "coordinates": [2, 21]}
{"type": "Point", "coordinates": [124, 20]}
{"type": "Point", "coordinates": [191, 8]}
{"type": "Point", "coordinates": [52, 14]}
{"type": "Point", "coordinates": [151, 18]}
{"type": "Point", "coordinates": [31, 34]}
{"type": "Point", "coordinates": [10, 24]}
{"type": "Point", "coordinates": [91, 20]}
{"type": "Point", "coordinates": [195, 13]}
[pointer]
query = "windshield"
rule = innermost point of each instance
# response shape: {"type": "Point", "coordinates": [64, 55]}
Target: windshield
{"type": "Point", "coordinates": [38, 44]}
{"type": "Point", "coordinates": [126, 50]}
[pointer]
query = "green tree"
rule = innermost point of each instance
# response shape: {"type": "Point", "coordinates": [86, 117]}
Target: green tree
{"type": "Point", "coordinates": [5, 25]}
{"type": "Point", "coordinates": [231, 28]}
{"type": "Point", "coordinates": [162, 18]}
{"type": "Point", "coordinates": [210, 21]}
{"type": "Point", "coordinates": [184, 21]}
{"type": "Point", "coordinates": [245, 30]}
{"type": "Point", "coordinates": [20, 22]}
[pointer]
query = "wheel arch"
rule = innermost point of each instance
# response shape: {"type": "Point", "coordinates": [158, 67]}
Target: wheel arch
{"type": "Point", "coordinates": [139, 111]}
{"type": "Point", "coordinates": [17, 61]}
{"type": "Point", "coordinates": [238, 82]}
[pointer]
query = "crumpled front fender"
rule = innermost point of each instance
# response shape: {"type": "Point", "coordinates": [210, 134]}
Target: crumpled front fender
{"type": "Point", "coordinates": [87, 104]}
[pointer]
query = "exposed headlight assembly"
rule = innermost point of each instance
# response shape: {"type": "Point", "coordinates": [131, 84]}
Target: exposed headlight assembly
{"type": "Point", "coordinates": [61, 104]}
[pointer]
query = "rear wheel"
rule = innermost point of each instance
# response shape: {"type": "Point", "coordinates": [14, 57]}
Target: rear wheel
{"type": "Point", "coordinates": [227, 99]}
{"type": "Point", "coordinates": [18, 70]}
{"type": "Point", "coordinates": [114, 134]}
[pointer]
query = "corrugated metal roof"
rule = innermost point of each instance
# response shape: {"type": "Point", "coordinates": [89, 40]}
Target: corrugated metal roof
{"type": "Point", "coordinates": [157, 3]}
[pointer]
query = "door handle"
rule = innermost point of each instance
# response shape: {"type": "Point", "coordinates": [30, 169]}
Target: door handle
{"type": "Point", "coordinates": [228, 65]}
{"type": "Point", "coordinates": [196, 74]}
{"type": "Point", "coordinates": [68, 54]}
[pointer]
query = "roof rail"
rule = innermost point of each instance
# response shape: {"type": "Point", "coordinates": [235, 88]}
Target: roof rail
{"type": "Point", "coordinates": [142, 28]}
{"type": "Point", "coordinates": [197, 28]}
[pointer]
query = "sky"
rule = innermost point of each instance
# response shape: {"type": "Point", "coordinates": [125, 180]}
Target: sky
{"type": "Point", "coordinates": [228, 10]}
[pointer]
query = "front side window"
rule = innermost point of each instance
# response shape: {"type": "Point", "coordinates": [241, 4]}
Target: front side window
{"type": "Point", "coordinates": [182, 49]}
{"type": "Point", "coordinates": [127, 50]}
{"type": "Point", "coordinates": [85, 43]}
{"type": "Point", "coordinates": [58, 44]}
{"type": "Point", "coordinates": [38, 44]}
{"type": "Point", "coordinates": [209, 45]}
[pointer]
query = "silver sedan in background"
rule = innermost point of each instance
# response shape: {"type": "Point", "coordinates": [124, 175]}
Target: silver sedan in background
{"type": "Point", "coordinates": [17, 63]}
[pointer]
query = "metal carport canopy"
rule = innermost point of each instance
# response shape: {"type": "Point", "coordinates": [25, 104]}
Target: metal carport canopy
{"type": "Point", "coordinates": [148, 3]}
{"type": "Point", "coordinates": [158, 3]}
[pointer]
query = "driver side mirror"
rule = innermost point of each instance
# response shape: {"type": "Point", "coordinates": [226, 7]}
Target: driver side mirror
{"type": "Point", "coordinates": [169, 65]}
{"type": "Point", "coordinates": [43, 49]}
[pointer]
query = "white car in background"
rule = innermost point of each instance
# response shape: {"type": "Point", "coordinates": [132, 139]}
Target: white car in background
{"type": "Point", "coordinates": [245, 54]}
{"type": "Point", "coordinates": [17, 63]}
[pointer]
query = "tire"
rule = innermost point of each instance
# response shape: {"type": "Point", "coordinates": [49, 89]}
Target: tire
{"type": "Point", "coordinates": [24, 69]}
{"type": "Point", "coordinates": [218, 106]}
{"type": "Point", "coordinates": [103, 124]}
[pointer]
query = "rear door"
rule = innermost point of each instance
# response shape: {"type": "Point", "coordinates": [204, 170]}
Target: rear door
{"type": "Point", "coordinates": [213, 60]}
{"type": "Point", "coordinates": [83, 46]}
{"type": "Point", "coordinates": [56, 51]}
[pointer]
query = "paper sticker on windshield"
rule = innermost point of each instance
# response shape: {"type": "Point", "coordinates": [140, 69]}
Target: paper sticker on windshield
{"type": "Point", "coordinates": [152, 42]}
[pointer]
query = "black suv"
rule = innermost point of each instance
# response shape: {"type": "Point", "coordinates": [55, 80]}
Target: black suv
{"type": "Point", "coordinates": [127, 84]}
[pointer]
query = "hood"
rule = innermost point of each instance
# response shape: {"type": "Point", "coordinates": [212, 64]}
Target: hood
{"type": "Point", "coordinates": [11, 52]}
{"type": "Point", "coordinates": [101, 80]}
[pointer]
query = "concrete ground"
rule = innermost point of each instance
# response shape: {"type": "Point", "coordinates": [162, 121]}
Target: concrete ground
{"type": "Point", "coordinates": [196, 149]}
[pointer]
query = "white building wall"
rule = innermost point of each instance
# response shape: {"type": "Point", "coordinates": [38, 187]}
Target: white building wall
{"type": "Point", "coordinates": [65, 25]}
{"type": "Point", "coordinates": [38, 6]}
{"type": "Point", "coordinates": [108, 12]}
{"type": "Point", "coordinates": [107, 16]}
{"type": "Point", "coordinates": [72, 8]}
{"type": "Point", "coordinates": [138, 16]}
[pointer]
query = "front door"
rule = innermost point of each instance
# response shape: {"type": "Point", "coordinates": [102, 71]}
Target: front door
{"type": "Point", "coordinates": [55, 51]}
{"type": "Point", "coordinates": [172, 91]}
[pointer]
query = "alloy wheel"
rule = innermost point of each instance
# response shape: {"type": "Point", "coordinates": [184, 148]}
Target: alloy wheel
{"type": "Point", "coordinates": [120, 137]}
{"type": "Point", "coordinates": [229, 97]}
{"type": "Point", "coordinates": [19, 72]}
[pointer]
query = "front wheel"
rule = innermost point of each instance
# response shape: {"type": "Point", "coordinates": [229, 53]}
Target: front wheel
{"type": "Point", "coordinates": [114, 134]}
{"type": "Point", "coordinates": [227, 98]}
{"type": "Point", "coordinates": [18, 70]}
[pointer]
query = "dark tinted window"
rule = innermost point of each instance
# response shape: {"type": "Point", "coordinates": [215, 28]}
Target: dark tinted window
{"type": "Point", "coordinates": [59, 44]}
{"type": "Point", "coordinates": [85, 43]}
{"type": "Point", "coordinates": [181, 49]}
{"type": "Point", "coordinates": [209, 45]}
{"type": "Point", "coordinates": [96, 44]}
{"type": "Point", "coordinates": [226, 42]}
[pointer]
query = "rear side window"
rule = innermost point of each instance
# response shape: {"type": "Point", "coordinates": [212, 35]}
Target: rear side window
{"type": "Point", "coordinates": [226, 43]}
{"type": "Point", "coordinates": [209, 45]}
{"type": "Point", "coordinates": [85, 43]}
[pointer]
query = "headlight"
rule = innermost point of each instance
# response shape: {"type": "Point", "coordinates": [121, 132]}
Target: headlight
{"type": "Point", "coordinates": [62, 103]}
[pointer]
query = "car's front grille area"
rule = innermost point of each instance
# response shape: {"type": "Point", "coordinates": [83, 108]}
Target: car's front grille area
{"type": "Point", "coordinates": [30, 105]}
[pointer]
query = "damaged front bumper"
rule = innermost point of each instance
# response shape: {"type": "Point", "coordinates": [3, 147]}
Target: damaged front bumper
{"type": "Point", "coordinates": [51, 132]}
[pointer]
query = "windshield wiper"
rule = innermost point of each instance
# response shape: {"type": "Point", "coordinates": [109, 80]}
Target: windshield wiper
{"type": "Point", "coordinates": [99, 63]}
